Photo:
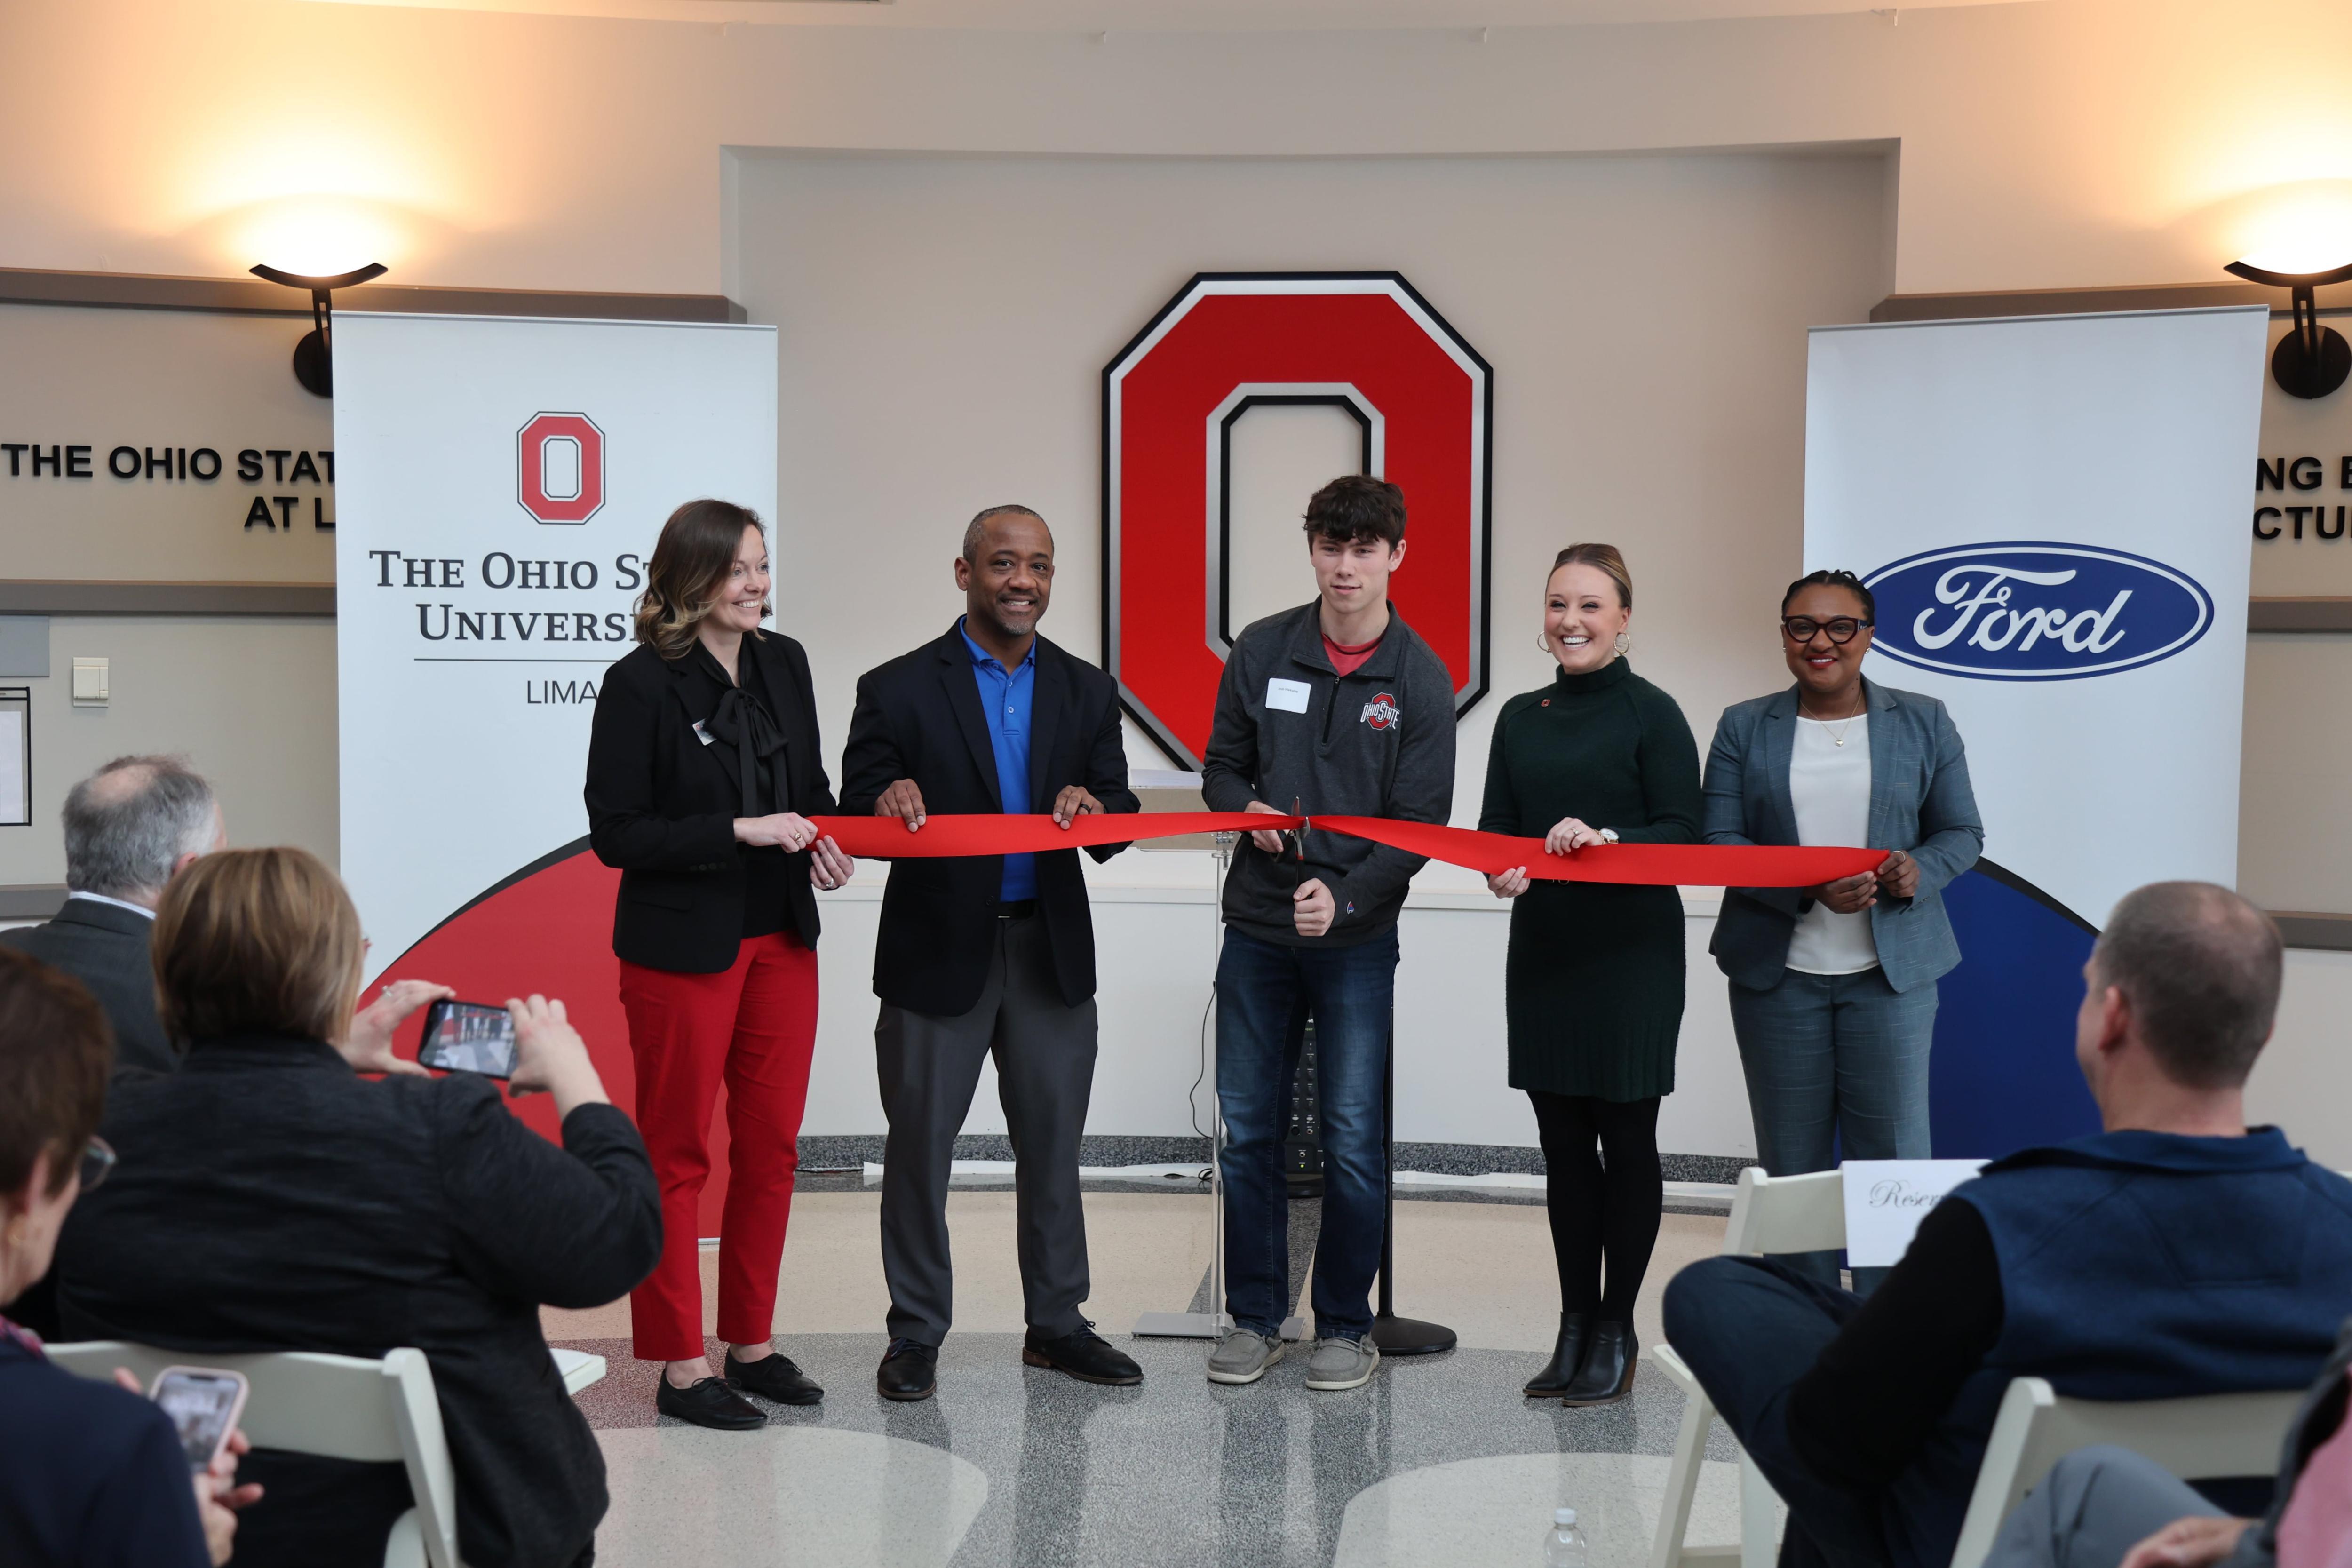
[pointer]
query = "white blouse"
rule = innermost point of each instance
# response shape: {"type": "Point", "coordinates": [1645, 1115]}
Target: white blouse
{"type": "Point", "coordinates": [1829, 784]}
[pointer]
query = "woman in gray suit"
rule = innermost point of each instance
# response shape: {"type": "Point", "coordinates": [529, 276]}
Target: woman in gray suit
{"type": "Point", "coordinates": [1833, 987]}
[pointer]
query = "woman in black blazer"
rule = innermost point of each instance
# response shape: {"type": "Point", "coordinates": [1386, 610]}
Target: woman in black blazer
{"type": "Point", "coordinates": [703, 771]}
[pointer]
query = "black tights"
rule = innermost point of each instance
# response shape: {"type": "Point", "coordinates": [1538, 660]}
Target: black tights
{"type": "Point", "coordinates": [1605, 1204]}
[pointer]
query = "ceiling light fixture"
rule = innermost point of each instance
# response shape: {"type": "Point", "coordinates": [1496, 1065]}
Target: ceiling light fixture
{"type": "Point", "coordinates": [2312, 361]}
{"type": "Point", "coordinates": [314, 364]}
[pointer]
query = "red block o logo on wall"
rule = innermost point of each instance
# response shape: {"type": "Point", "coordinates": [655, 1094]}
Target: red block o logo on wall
{"type": "Point", "coordinates": [1364, 341]}
{"type": "Point", "coordinates": [560, 467]}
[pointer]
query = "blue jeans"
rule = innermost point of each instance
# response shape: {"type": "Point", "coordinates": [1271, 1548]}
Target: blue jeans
{"type": "Point", "coordinates": [1748, 1328]}
{"type": "Point", "coordinates": [1835, 1061]}
{"type": "Point", "coordinates": [1263, 990]}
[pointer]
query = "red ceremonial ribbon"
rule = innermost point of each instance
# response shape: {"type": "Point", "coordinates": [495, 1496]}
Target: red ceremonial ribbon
{"type": "Point", "coordinates": [1639, 865]}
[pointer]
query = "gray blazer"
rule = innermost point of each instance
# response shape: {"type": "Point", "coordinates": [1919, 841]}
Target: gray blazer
{"type": "Point", "coordinates": [1920, 801]}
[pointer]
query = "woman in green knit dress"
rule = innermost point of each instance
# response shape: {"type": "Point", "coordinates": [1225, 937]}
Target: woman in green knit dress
{"type": "Point", "coordinates": [1593, 985]}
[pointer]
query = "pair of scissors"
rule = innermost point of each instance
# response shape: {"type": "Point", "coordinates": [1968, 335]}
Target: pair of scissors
{"type": "Point", "coordinates": [1295, 839]}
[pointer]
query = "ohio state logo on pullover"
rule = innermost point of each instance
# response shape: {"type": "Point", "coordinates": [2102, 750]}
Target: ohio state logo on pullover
{"type": "Point", "coordinates": [1381, 712]}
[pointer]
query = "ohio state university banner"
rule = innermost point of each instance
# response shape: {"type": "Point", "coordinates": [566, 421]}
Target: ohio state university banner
{"type": "Point", "coordinates": [501, 484]}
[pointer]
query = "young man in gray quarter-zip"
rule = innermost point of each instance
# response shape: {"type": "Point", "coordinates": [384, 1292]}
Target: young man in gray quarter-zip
{"type": "Point", "coordinates": [1339, 706]}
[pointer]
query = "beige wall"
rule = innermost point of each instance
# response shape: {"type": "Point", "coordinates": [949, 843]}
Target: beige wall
{"type": "Point", "coordinates": [251, 703]}
{"type": "Point", "coordinates": [2293, 849]}
{"type": "Point", "coordinates": [2085, 141]}
{"type": "Point", "coordinates": [976, 300]}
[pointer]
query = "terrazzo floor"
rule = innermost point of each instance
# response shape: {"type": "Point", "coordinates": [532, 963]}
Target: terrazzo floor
{"type": "Point", "coordinates": [1439, 1461]}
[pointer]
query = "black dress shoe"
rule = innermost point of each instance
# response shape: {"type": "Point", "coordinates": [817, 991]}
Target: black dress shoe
{"type": "Point", "coordinates": [773, 1377]}
{"type": "Point", "coordinates": [1607, 1375]}
{"type": "Point", "coordinates": [909, 1371]}
{"type": "Point", "coordinates": [1083, 1354]}
{"type": "Point", "coordinates": [1567, 1357]}
{"type": "Point", "coordinates": [708, 1401]}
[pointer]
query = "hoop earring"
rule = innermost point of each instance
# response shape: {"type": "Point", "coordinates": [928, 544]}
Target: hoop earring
{"type": "Point", "coordinates": [1543, 641]}
{"type": "Point", "coordinates": [1624, 645]}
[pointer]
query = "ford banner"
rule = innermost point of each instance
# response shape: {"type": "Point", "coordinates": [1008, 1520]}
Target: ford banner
{"type": "Point", "coordinates": [1952, 610]}
{"type": "Point", "coordinates": [2048, 511]}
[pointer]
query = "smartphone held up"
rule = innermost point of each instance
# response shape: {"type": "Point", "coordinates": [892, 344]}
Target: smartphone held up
{"type": "Point", "coordinates": [203, 1403]}
{"type": "Point", "coordinates": [468, 1036]}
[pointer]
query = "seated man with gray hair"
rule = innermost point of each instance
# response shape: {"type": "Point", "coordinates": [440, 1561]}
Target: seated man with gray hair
{"type": "Point", "coordinates": [130, 827]}
{"type": "Point", "coordinates": [2177, 1252]}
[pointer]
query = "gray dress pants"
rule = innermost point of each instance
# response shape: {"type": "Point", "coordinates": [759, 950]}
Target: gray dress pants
{"type": "Point", "coordinates": [1835, 1063]}
{"type": "Point", "coordinates": [930, 1067]}
{"type": "Point", "coordinates": [2097, 1504]}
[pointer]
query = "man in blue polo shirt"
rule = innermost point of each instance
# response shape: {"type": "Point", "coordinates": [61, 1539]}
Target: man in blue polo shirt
{"type": "Point", "coordinates": [2178, 1252]}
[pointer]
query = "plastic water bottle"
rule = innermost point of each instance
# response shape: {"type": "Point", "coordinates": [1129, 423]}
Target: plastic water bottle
{"type": "Point", "coordinates": [1564, 1543]}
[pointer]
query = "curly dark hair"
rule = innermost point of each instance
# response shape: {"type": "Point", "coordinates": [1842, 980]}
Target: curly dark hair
{"type": "Point", "coordinates": [1358, 509]}
{"type": "Point", "coordinates": [1833, 578]}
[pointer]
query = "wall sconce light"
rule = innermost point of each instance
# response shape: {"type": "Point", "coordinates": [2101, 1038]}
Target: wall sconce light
{"type": "Point", "coordinates": [314, 364]}
{"type": "Point", "coordinates": [2311, 361]}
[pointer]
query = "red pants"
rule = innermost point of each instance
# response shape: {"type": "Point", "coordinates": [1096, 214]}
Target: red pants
{"type": "Point", "coordinates": [754, 1024]}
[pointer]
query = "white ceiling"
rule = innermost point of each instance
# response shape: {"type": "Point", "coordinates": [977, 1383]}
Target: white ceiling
{"type": "Point", "coordinates": [1114, 17]}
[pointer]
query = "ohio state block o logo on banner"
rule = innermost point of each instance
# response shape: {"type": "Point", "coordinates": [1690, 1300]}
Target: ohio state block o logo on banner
{"type": "Point", "coordinates": [560, 467]}
{"type": "Point", "coordinates": [1364, 341]}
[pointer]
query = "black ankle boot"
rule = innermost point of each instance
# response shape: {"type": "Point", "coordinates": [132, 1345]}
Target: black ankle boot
{"type": "Point", "coordinates": [1575, 1331]}
{"type": "Point", "coordinates": [1607, 1374]}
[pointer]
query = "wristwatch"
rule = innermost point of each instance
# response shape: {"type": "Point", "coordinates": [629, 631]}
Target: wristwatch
{"type": "Point", "coordinates": [1608, 835]}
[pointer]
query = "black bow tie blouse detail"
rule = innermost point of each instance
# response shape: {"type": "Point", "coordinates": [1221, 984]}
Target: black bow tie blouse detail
{"type": "Point", "coordinates": [744, 723]}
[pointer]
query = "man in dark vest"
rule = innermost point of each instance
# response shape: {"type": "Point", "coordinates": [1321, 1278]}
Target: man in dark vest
{"type": "Point", "coordinates": [2178, 1252]}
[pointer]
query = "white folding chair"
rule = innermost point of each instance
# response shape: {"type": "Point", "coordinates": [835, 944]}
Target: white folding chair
{"type": "Point", "coordinates": [2203, 1438]}
{"type": "Point", "coordinates": [345, 1407]}
{"type": "Point", "coordinates": [578, 1368]}
{"type": "Point", "coordinates": [1768, 1214]}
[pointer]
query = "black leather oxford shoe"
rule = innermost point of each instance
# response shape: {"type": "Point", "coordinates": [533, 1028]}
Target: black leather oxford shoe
{"type": "Point", "coordinates": [909, 1371]}
{"type": "Point", "coordinates": [1083, 1354]}
{"type": "Point", "coordinates": [708, 1401]}
{"type": "Point", "coordinates": [773, 1377]}
{"type": "Point", "coordinates": [1567, 1358]}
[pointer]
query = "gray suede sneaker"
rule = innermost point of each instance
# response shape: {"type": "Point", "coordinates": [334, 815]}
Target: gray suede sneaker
{"type": "Point", "coordinates": [1242, 1356]}
{"type": "Point", "coordinates": [1339, 1363]}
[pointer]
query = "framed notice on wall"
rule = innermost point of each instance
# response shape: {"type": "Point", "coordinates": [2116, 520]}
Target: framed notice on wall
{"type": "Point", "coordinates": [16, 755]}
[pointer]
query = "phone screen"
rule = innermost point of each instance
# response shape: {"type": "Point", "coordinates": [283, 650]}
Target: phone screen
{"type": "Point", "coordinates": [203, 1406]}
{"type": "Point", "coordinates": [466, 1037]}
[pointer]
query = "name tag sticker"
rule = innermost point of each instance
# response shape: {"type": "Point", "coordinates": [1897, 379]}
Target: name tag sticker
{"type": "Point", "coordinates": [1290, 696]}
{"type": "Point", "coordinates": [1887, 1199]}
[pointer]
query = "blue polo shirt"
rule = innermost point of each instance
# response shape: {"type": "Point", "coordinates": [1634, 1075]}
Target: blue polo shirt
{"type": "Point", "coordinates": [1005, 701]}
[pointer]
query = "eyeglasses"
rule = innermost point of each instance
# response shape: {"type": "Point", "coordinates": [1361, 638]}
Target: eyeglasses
{"type": "Point", "coordinates": [1842, 630]}
{"type": "Point", "coordinates": [96, 1160]}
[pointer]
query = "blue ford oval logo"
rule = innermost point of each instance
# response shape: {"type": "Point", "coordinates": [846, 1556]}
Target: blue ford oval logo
{"type": "Point", "coordinates": [2023, 611]}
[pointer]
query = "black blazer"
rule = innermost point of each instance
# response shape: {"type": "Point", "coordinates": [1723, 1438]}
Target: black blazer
{"type": "Point", "coordinates": [662, 805]}
{"type": "Point", "coordinates": [105, 948]}
{"type": "Point", "coordinates": [919, 717]}
{"type": "Point", "coordinates": [269, 1198]}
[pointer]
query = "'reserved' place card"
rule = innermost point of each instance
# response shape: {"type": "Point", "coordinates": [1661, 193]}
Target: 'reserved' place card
{"type": "Point", "coordinates": [1887, 1199]}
